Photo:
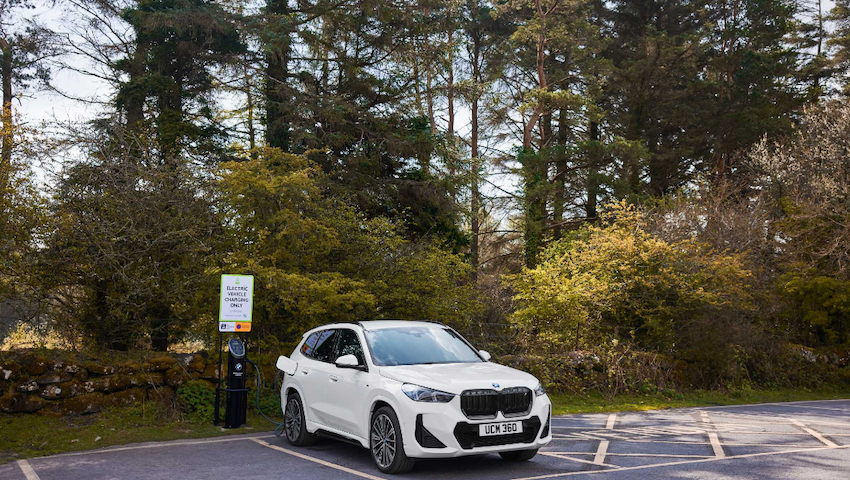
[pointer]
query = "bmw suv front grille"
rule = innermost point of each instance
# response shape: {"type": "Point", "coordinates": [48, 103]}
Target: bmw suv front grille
{"type": "Point", "coordinates": [514, 401]}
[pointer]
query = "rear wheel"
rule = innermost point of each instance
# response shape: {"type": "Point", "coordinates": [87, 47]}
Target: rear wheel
{"type": "Point", "coordinates": [386, 443]}
{"type": "Point", "coordinates": [294, 423]}
{"type": "Point", "coordinates": [519, 455]}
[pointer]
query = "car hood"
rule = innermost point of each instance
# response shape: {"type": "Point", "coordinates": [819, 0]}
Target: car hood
{"type": "Point", "coordinates": [457, 377]}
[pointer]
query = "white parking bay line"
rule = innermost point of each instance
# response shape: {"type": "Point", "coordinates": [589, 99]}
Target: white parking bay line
{"type": "Point", "coordinates": [599, 459]}
{"type": "Point", "coordinates": [609, 454]}
{"type": "Point", "coordinates": [316, 460]}
{"type": "Point", "coordinates": [712, 437]}
{"type": "Point", "coordinates": [825, 441]}
{"type": "Point", "coordinates": [715, 445]}
{"type": "Point", "coordinates": [28, 471]}
{"type": "Point", "coordinates": [579, 460]}
{"type": "Point", "coordinates": [611, 420]}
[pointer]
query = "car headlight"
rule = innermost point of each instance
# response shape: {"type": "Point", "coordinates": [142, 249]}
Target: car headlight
{"type": "Point", "coordinates": [423, 394]}
{"type": "Point", "coordinates": [539, 390]}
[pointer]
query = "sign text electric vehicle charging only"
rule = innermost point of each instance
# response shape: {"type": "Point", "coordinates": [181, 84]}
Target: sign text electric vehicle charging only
{"type": "Point", "coordinates": [237, 293]}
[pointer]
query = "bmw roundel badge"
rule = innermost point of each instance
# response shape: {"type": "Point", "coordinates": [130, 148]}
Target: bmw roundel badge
{"type": "Point", "coordinates": [238, 367]}
{"type": "Point", "coordinates": [495, 385]}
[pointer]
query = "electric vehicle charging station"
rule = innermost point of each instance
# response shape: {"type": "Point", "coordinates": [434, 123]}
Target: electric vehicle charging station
{"type": "Point", "coordinates": [234, 316]}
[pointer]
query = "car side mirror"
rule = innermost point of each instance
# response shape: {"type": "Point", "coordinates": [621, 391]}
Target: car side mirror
{"type": "Point", "coordinates": [485, 355]}
{"type": "Point", "coordinates": [286, 365]}
{"type": "Point", "coordinates": [349, 361]}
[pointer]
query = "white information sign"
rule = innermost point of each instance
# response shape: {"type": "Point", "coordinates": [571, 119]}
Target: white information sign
{"type": "Point", "coordinates": [237, 294]}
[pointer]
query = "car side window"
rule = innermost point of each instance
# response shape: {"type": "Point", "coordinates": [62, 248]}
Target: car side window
{"type": "Point", "coordinates": [349, 344]}
{"type": "Point", "coordinates": [309, 346]}
{"type": "Point", "coordinates": [324, 350]}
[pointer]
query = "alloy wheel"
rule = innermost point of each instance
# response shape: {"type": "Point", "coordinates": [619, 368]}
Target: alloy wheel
{"type": "Point", "coordinates": [292, 420]}
{"type": "Point", "coordinates": [383, 440]}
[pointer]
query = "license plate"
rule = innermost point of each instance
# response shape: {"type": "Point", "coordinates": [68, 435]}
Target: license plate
{"type": "Point", "coordinates": [502, 428]}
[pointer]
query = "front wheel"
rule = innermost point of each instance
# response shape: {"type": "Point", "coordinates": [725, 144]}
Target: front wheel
{"type": "Point", "coordinates": [519, 455]}
{"type": "Point", "coordinates": [386, 443]}
{"type": "Point", "coordinates": [294, 423]}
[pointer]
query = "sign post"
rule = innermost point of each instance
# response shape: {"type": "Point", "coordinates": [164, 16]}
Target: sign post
{"type": "Point", "coordinates": [234, 315]}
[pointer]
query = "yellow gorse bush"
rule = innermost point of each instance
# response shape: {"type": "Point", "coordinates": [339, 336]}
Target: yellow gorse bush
{"type": "Point", "coordinates": [616, 279]}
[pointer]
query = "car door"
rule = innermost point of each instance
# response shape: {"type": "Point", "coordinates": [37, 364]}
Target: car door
{"type": "Point", "coordinates": [348, 388]}
{"type": "Point", "coordinates": [314, 373]}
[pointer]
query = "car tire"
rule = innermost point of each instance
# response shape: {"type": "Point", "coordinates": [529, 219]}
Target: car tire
{"type": "Point", "coordinates": [295, 424]}
{"type": "Point", "coordinates": [519, 455]}
{"type": "Point", "coordinates": [386, 444]}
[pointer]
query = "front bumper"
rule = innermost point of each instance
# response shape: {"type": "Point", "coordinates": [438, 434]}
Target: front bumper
{"type": "Point", "coordinates": [459, 434]}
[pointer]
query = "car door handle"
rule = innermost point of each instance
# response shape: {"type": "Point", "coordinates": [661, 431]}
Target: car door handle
{"type": "Point", "coordinates": [334, 378]}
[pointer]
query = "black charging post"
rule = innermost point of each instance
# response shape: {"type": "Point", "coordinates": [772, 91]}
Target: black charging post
{"type": "Point", "coordinates": [236, 406]}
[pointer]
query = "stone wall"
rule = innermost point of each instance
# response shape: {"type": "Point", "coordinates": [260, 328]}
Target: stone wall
{"type": "Point", "coordinates": [66, 383]}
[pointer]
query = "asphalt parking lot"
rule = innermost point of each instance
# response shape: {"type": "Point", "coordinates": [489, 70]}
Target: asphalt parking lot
{"type": "Point", "coordinates": [770, 441]}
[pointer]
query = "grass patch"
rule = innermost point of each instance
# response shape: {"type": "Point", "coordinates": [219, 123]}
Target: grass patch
{"type": "Point", "coordinates": [28, 435]}
{"type": "Point", "coordinates": [596, 403]}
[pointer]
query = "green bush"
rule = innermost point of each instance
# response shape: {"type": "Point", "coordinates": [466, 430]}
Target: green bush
{"type": "Point", "coordinates": [619, 281]}
{"type": "Point", "coordinates": [197, 400]}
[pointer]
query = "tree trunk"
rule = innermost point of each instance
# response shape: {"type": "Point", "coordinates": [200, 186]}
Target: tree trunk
{"type": "Point", "coordinates": [533, 163]}
{"type": "Point", "coordinates": [450, 97]}
{"type": "Point", "coordinates": [278, 101]}
{"type": "Point", "coordinates": [534, 166]}
{"type": "Point", "coordinates": [429, 79]}
{"type": "Point", "coordinates": [593, 172]}
{"type": "Point", "coordinates": [160, 328]}
{"type": "Point", "coordinates": [475, 195]}
{"type": "Point", "coordinates": [631, 165]}
{"type": "Point", "coordinates": [136, 91]}
{"type": "Point", "coordinates": [252, 136]}
{"type": "Point", "coordinates": [541, 77]}
{"type": "Point", "coordinates": [6, 152]}
{"type": "Point", "coordinates": [560, 173]}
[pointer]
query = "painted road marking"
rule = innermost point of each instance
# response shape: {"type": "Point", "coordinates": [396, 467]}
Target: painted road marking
{"type": "Point", "coordinates": [28, 471]}
{"type": "Point", "coordinates": [579, 460]}
{"type": "Point", "coordinates": [712, 437]}
{"type": "Point", "coordinates": [316, 460]}
{"type": "Point", "coordinates": [715, 445]}
{"type": "Point", "coordinates": [825, 441]}
{"type": "Point", "coordinates": [670, 464]}
{"type": "Point", "coordinates": [173, 443]}
{"type": "Point", "coordinates": [665, 455]}
{"type": "Point", "coordinates": [682, 442]}
{"type": "Point", "coordinates": [599, 459]}
{"type": "Point", "coordinates": [611, 420]}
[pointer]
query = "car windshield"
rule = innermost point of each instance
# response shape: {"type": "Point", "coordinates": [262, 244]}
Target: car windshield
{"type": "Point", "coordinates": [418, 346]}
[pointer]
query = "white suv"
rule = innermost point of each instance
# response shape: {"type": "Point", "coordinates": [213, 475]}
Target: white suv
{"type": "Point", "coordinates": [408, 390]}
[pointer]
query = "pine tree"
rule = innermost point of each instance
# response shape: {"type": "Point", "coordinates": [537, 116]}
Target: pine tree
{"type": "Point", "coordinates": [655, 89]}
{"type": "Point", "coordinates": [753, 75]}
{"type": "Point", "coordinates": [839, 40]}
{"type": "Point", "coordinates": [177, 42]}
